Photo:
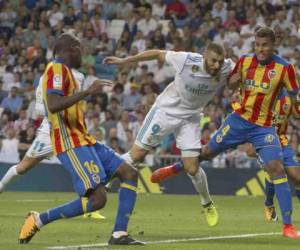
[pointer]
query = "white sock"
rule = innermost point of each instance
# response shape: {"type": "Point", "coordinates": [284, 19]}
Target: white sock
{"type": "Point", "coordinates": [200, 183]}
{"type": "Point", "coordinates": [127, 158]}
{"type": "Point", "coordinates": [118, 234]}
{"type": "Point", "coordinates": [38, 221]}
{"type": "Point", "coordinates": [9, 176]}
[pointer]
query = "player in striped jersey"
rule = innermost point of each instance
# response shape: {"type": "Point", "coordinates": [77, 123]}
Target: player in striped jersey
{"type": "Point", "coordinates": [283, 110]}
{"type": "Point", "coordinates": [260, 76]}
{"type": "Point", "coordinates": [41, 147]}
{"type": "Point", "coordinates": [90, 164]}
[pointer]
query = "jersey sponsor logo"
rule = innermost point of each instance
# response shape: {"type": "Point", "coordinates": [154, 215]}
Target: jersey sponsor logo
{"type": "Point", "coordinates": [271, 73]}
{"type": "Point", "coordinates": [57, 81]}
{"type": "Point", "coordinates": [201, 89]}
{"type": "Point", "coordinates": [251, 84]}
{"type": "Point", "coordinates": [269, 138]}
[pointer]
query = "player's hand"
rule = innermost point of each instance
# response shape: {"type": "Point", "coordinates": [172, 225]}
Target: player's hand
{"type": "Point", "coordinates": [235, 80]}
{"type": "Point", "coordinates": [113, 60]}
{"type": "Point", "coordinates": [97, 85]}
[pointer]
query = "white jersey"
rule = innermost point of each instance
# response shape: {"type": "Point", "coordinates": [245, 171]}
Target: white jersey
{"type": "Point", "coordinates": [192, 87]}
{"type": "Point", "coordinates": [39, 103]}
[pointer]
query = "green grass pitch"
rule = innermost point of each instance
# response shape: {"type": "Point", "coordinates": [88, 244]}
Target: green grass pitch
{"type": "Point", "coordinates": [156, 218]}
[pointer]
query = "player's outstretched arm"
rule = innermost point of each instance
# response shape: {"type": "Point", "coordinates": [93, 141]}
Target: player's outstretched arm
{"type": "Point", "coordinates": [143, 56]}
{"type": "Point", "coordinates": [58, 103]}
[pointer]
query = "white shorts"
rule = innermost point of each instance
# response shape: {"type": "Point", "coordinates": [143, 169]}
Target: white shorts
{"type": "Point", "coordinates": [159, 124]}
{"type": "Point", "coordinates": [41, 146]}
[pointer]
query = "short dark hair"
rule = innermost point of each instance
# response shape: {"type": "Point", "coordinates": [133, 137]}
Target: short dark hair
{"type": "Point", "coordinates": [215, 47]}
{"type": "Point", "coordinates": [265, 32]}
{"type": "Point", "coordinates": [64, 41]}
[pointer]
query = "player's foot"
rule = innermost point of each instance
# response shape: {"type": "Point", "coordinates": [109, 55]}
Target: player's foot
{"type": "Point", "coordinates": [29, 228]}
{"type": "Point", "coordinates": [290, 232]}
{"type": "Point", "coordinates": [1, 187]}
{"type": "Point", "coordinates": [94, 215]}
{"type": "Point", "coordinates": [211, 214]}
{"type": "Point", "coordinates": [270, 213]}
{"type": "Point", "coordinates": [124, 240]}
{"type": "Point", "coordinates": [163, 174]}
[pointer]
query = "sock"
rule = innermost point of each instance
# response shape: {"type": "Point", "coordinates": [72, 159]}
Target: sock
{"type": "Point", "coordinates": [177, 167]}
{"type": "Point", "coordinates": [9, 176]}
{"type": "Point", "coordinates": [200, 183]}
{"type": "Point", "coordinates": [127, 198]}
{"type": "Point", "coordinates": [284, 197]}
{"type": "Point", "coordinates": [270, 192]}
{"type": "Point", "coordinates": [127, 158]}
{"type": "Point", "coordinates": [68, 210]}
{"type": "Point", "coordinates": [297, 190]}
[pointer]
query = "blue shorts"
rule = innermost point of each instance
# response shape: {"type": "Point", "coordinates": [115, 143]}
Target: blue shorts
{"type": "Point", "coordinates": [236, 130]}
{"type": "Point", "coordinates": [289, 158]}
{"type": "Point", "coordinates": [90, 165]}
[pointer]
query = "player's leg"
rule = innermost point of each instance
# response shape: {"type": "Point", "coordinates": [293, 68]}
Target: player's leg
{"type": "Point", "coordinates": [115, 166]}
{"type": "Point", "coordinates": [231, 133]}
{"type": "Point", "coordinates": [40, 149]}
{"type": "Point", "coordinates": [270, 212]}
{"type": "Point", "coordinates": [292, 167]}
{"type": "Point", "coordinates": [88, 178]}
{"type": "Point", "coordinates": [267, 145]}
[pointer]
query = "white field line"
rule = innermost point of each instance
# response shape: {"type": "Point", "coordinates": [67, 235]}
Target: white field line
{"type": "Point", "coordinates": [171, 240]}
{"type": "Point", "coordinates": [38, 200]}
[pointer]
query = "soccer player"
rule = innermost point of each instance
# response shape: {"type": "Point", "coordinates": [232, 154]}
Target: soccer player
{"type": "Point", "coordinates": [41, 147]}
{"type": "Point", "coordinates": [90, 164]}
{"type": "Point", "coordinates": [177, 109]}
{"type": "Point", "coordinates": [260, 76]}
{"type": "Point", "coordinates": [283, 110]}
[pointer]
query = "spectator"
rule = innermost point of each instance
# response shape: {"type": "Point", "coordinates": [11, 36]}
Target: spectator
{"type": "Point", "coordinates": [55, 15]}
{"type": "Point", "coordinates": [3, 93]}
{"type": "Point", "coordinates": [176, 9]}
{"type": "Point", "coordinates": [131, 99]}
{"type": "Point", "coordinates": [147, 24]}
{"type": "Point", "coordinates": [9, 147]}
{"type": "Point", "coordinates": [13, 102]}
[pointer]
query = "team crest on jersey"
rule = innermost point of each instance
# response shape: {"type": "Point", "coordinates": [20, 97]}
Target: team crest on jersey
{"type": "Point", "coordinates": [96, 178]}
{"type": "Point", "coordinates": [271, 74]}
{"type": "Point", "coordinates": [195, 68]}
{"type": "Point", "coordinates": [219, 138]}
{"type": "Point", "coordinates": [150, 139]}
{"type": "Point", "coordinates": [286, 107]}
{"type": "Point", "coordinates": [57, 81]}
{"type": "Point", "coordinates": [269, 138]}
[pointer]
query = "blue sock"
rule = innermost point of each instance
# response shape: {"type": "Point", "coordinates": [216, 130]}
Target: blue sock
{"type": "Point", "coordinates": [284, 197]}
{"type": "Point", "coordinates": [69, 210]}
{"type": "Point", "coordinates": [127, 197]}
{"type": "Point", "coordinates": [297, 190]}
{"type": "Point", "coordinates": [270, 192]}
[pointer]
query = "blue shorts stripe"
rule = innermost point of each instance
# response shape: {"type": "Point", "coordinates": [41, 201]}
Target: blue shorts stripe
{"type": "Point", "coordinates": [146, 124]}
{"type": "Point", "coordinates": [78, 168]}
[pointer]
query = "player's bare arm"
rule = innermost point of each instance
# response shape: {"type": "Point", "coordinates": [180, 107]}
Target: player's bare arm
{"type": "Point", "coordinates": [143, 56]}
{"type": "Point", "coordinates": [58, 103]}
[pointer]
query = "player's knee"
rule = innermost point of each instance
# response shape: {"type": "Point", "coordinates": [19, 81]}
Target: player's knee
{"type": "Point", "coordinates": [206, 153]}
{"type": "Point", "coordinates": [296, 179]}
{"type": "Point", "coordinates": [192, 170]}
{"type": "Point", "coordinates": [99, 202]}
{"type": "Point", "coordinates": [275, 168]}
{"type": "Point", "coordinates": [131, 173]}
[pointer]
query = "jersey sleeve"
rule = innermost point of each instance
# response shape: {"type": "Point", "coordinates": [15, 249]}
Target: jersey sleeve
{"type": "Point", "coordinates": [290, 79]}
{"type": "Point", "coordinates": [236, 68]}
{"type": "Point", "coordinates": [176, 59]}
{"type": "Point", "coordinates": [56, 76]}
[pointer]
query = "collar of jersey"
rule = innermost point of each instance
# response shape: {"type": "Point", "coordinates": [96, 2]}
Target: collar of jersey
{"type": "Point", "coordinates": [58, 60]}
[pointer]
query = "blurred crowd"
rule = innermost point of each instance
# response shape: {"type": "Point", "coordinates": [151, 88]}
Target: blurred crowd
{"type": "Point", "coordinates": [28, 29]}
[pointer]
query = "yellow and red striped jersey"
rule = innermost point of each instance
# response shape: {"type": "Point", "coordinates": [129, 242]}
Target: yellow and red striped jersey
{"type": "Point", "coordinates": [261, 85]}
{"type": "Point", "coordinates": [68, 129]}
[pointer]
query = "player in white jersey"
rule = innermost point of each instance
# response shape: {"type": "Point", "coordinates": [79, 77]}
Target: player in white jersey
{"type": "Point", "coordinates": [177, 109]}
{"type": "Point", "coordinates": [41, 148]}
